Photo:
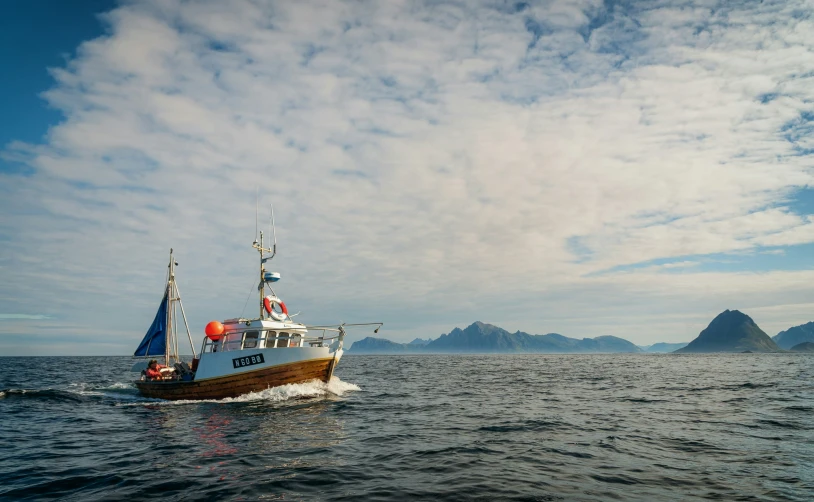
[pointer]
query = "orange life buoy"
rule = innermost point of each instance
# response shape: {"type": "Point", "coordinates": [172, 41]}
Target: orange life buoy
{"type": "Point", "coordinates": [268, 304]}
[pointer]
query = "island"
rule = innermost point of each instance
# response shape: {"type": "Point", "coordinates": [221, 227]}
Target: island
{"type": "Point", "coordinates": [731, 331]}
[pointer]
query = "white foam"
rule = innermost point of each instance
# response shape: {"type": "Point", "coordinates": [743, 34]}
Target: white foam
{"type": "Point", "coordinates": [111, 390]}
{"type": "Point", "coordinates": [338, 387]}
{"type": "Point", "coordinates": [120, 385]}
{"type": "Point", "coordinates": [311, 389]}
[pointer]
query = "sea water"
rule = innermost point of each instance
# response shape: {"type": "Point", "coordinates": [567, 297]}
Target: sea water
{"type": "Point", "coordinates": [440, 427]}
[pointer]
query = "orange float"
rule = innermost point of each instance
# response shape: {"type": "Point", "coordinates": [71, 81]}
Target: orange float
{"type": "Point", "coordinates": [214, 330]}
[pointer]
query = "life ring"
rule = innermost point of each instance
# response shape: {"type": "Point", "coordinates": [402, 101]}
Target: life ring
{"type": "Point", "coordinates": [269, 302]}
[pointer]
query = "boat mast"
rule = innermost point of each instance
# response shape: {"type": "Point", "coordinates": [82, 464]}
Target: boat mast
{"type": "Point", "coordinates": [168, 325]}
{"type": "Point", "coordinates": [262, 271]}
{"type": "Point", "coordinates": [171, 333]}
{"type": "Point", "coordinates": [259, 247]}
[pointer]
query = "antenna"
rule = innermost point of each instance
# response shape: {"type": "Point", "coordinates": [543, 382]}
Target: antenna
{"type": "Point", "coordinates": [256, 202]}
{"type": "Point", "coordinates": [273, 229]}
{"type": "Point", "coordinates": [273, 249]}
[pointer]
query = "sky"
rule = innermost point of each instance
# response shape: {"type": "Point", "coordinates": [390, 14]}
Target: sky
{"type": "Point", "coordinates": [580, 167]}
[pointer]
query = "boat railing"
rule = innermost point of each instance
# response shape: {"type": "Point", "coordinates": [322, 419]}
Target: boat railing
{"type": "Point", "coordinates": [260, 339]}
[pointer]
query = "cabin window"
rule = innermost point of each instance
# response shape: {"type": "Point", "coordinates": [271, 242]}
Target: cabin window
{"type": "Point", "coordinates": [283, 342]}
{"type": "Point", "coordinates": [270, 339]}
{"type": "Point", "coordinates": [296, 338]}
{"type": "Point", "coordinates": [231, 341]}
{"type": "Point", "coordinates": [250, 339]}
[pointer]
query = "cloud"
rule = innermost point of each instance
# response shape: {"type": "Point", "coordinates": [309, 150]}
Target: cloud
{"type": "Point", "coordinates": [427, 161]}
{"type": "Point", "coordinates": [23, 316]}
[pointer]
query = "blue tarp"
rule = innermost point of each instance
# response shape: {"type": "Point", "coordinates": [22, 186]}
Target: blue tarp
{"type": "Point", "coordinates": [155, 341]}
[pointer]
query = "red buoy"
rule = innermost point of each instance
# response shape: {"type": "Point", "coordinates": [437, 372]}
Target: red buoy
{"type": "Point", "coordinates": [214, 330]}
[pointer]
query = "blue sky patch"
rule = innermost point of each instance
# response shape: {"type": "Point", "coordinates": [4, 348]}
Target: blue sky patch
{"type": "Point", "coordinates": [35, 36]}
{"type": "Point", "coordinates": [801, 201]}
{"type": "Point", "coordinates": [761, 259]}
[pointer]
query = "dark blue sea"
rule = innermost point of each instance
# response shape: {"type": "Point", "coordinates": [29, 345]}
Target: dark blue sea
{"type": "Point", "coordinates": [431, 427]}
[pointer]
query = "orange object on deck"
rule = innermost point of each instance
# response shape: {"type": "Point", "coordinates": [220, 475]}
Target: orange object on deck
{"type": "Point", "coordinates": [214, 330]}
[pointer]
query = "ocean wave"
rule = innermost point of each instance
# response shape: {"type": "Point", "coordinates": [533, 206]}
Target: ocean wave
{"type": "Point", "coordinates": [524, 426]}
{"type": "Point", "coordinates": [641, 400]}
{"type": "Point", "coordinates": [45, 394]}
{"type": "Point", "coordinates": [305, 390]}
{"type": "Point", "coordinates": [780, 423]}
{"type": "Point", "coordinates": [77, 392]}
{"type": "Point", "coordinates": [115, 390]}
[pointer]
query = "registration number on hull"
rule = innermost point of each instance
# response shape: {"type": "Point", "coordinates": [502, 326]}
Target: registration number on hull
{"type": "Point", "coordinates": [248, 360]}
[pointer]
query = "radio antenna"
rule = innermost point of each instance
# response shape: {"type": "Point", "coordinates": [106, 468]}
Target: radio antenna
{"type": "Point", "coordinates": [273, 249]}
{"type": "Point", "coordinates": [256, 202]}
{"type": "Point", "coordinates": [273, 229]}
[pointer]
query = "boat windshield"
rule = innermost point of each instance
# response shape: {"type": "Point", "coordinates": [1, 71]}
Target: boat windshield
{"type": "Point", "coordinates": [253, 339]}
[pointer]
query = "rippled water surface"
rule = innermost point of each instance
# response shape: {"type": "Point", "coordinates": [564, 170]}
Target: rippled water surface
{"type": "Point", "coordinates": [530, 427]}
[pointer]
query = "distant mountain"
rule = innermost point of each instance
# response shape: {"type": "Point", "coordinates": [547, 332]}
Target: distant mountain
{"type": "Point", "coordinates": [607, 343]}
{"type": "Point", "coordinates": [419, 341]}
{"type": "Point", "coordinates": [663, 347]}
{"type": "Point", "coordinates": [803, 347]}
{"type": "Point", "coordinates": [372, 345]}
{"type": "Point", "coordinates": [486, 338]}
{"type": "Point", "coordinates": [795, 336]}
{"type": "Point", "coordinates": [731, 331]}
{"type": "Point", "coordinates": [480, 337]}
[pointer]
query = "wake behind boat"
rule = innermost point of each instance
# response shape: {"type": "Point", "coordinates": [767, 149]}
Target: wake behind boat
{"type": "Point", "coordinates": [237, 355]}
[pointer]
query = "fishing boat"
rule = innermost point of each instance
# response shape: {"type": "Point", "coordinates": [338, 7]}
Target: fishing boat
{"type": "Point", "coordinates": [238, 355]}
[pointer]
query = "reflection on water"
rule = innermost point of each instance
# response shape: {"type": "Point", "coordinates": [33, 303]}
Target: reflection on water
{"type": "Point", "coordinates": [302, 426]}
{"type": "Point", "coordinates": [211, 436]}
{"type": "Point", "coordinates": [264, 429]}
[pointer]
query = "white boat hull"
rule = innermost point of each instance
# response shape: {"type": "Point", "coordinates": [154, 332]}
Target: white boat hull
{"type": "Point", "coordinates": [219, 364]}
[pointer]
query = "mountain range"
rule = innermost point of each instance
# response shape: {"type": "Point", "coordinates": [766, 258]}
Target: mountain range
{"type": "Point", "coordinates": [730, 331]}
{"type": "Point", "coordinates": [486, 338]}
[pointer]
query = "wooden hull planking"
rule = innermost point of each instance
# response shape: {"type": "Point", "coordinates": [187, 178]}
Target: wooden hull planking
{"type": "Point", "coordinates": [241, 383]}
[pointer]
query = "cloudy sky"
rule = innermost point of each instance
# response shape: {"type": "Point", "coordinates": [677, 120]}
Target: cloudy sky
{"type": "Point", "coordinates": [581, 167]}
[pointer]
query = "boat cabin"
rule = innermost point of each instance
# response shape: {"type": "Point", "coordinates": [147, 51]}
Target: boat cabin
{"type": "Point", "coordinates": [240, 334]}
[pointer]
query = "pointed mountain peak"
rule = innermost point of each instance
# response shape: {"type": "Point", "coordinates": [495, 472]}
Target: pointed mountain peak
{"type": "Point", "coordinates": [732, 314]}
{"type": "Point", "coordinates": [731, 331]}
